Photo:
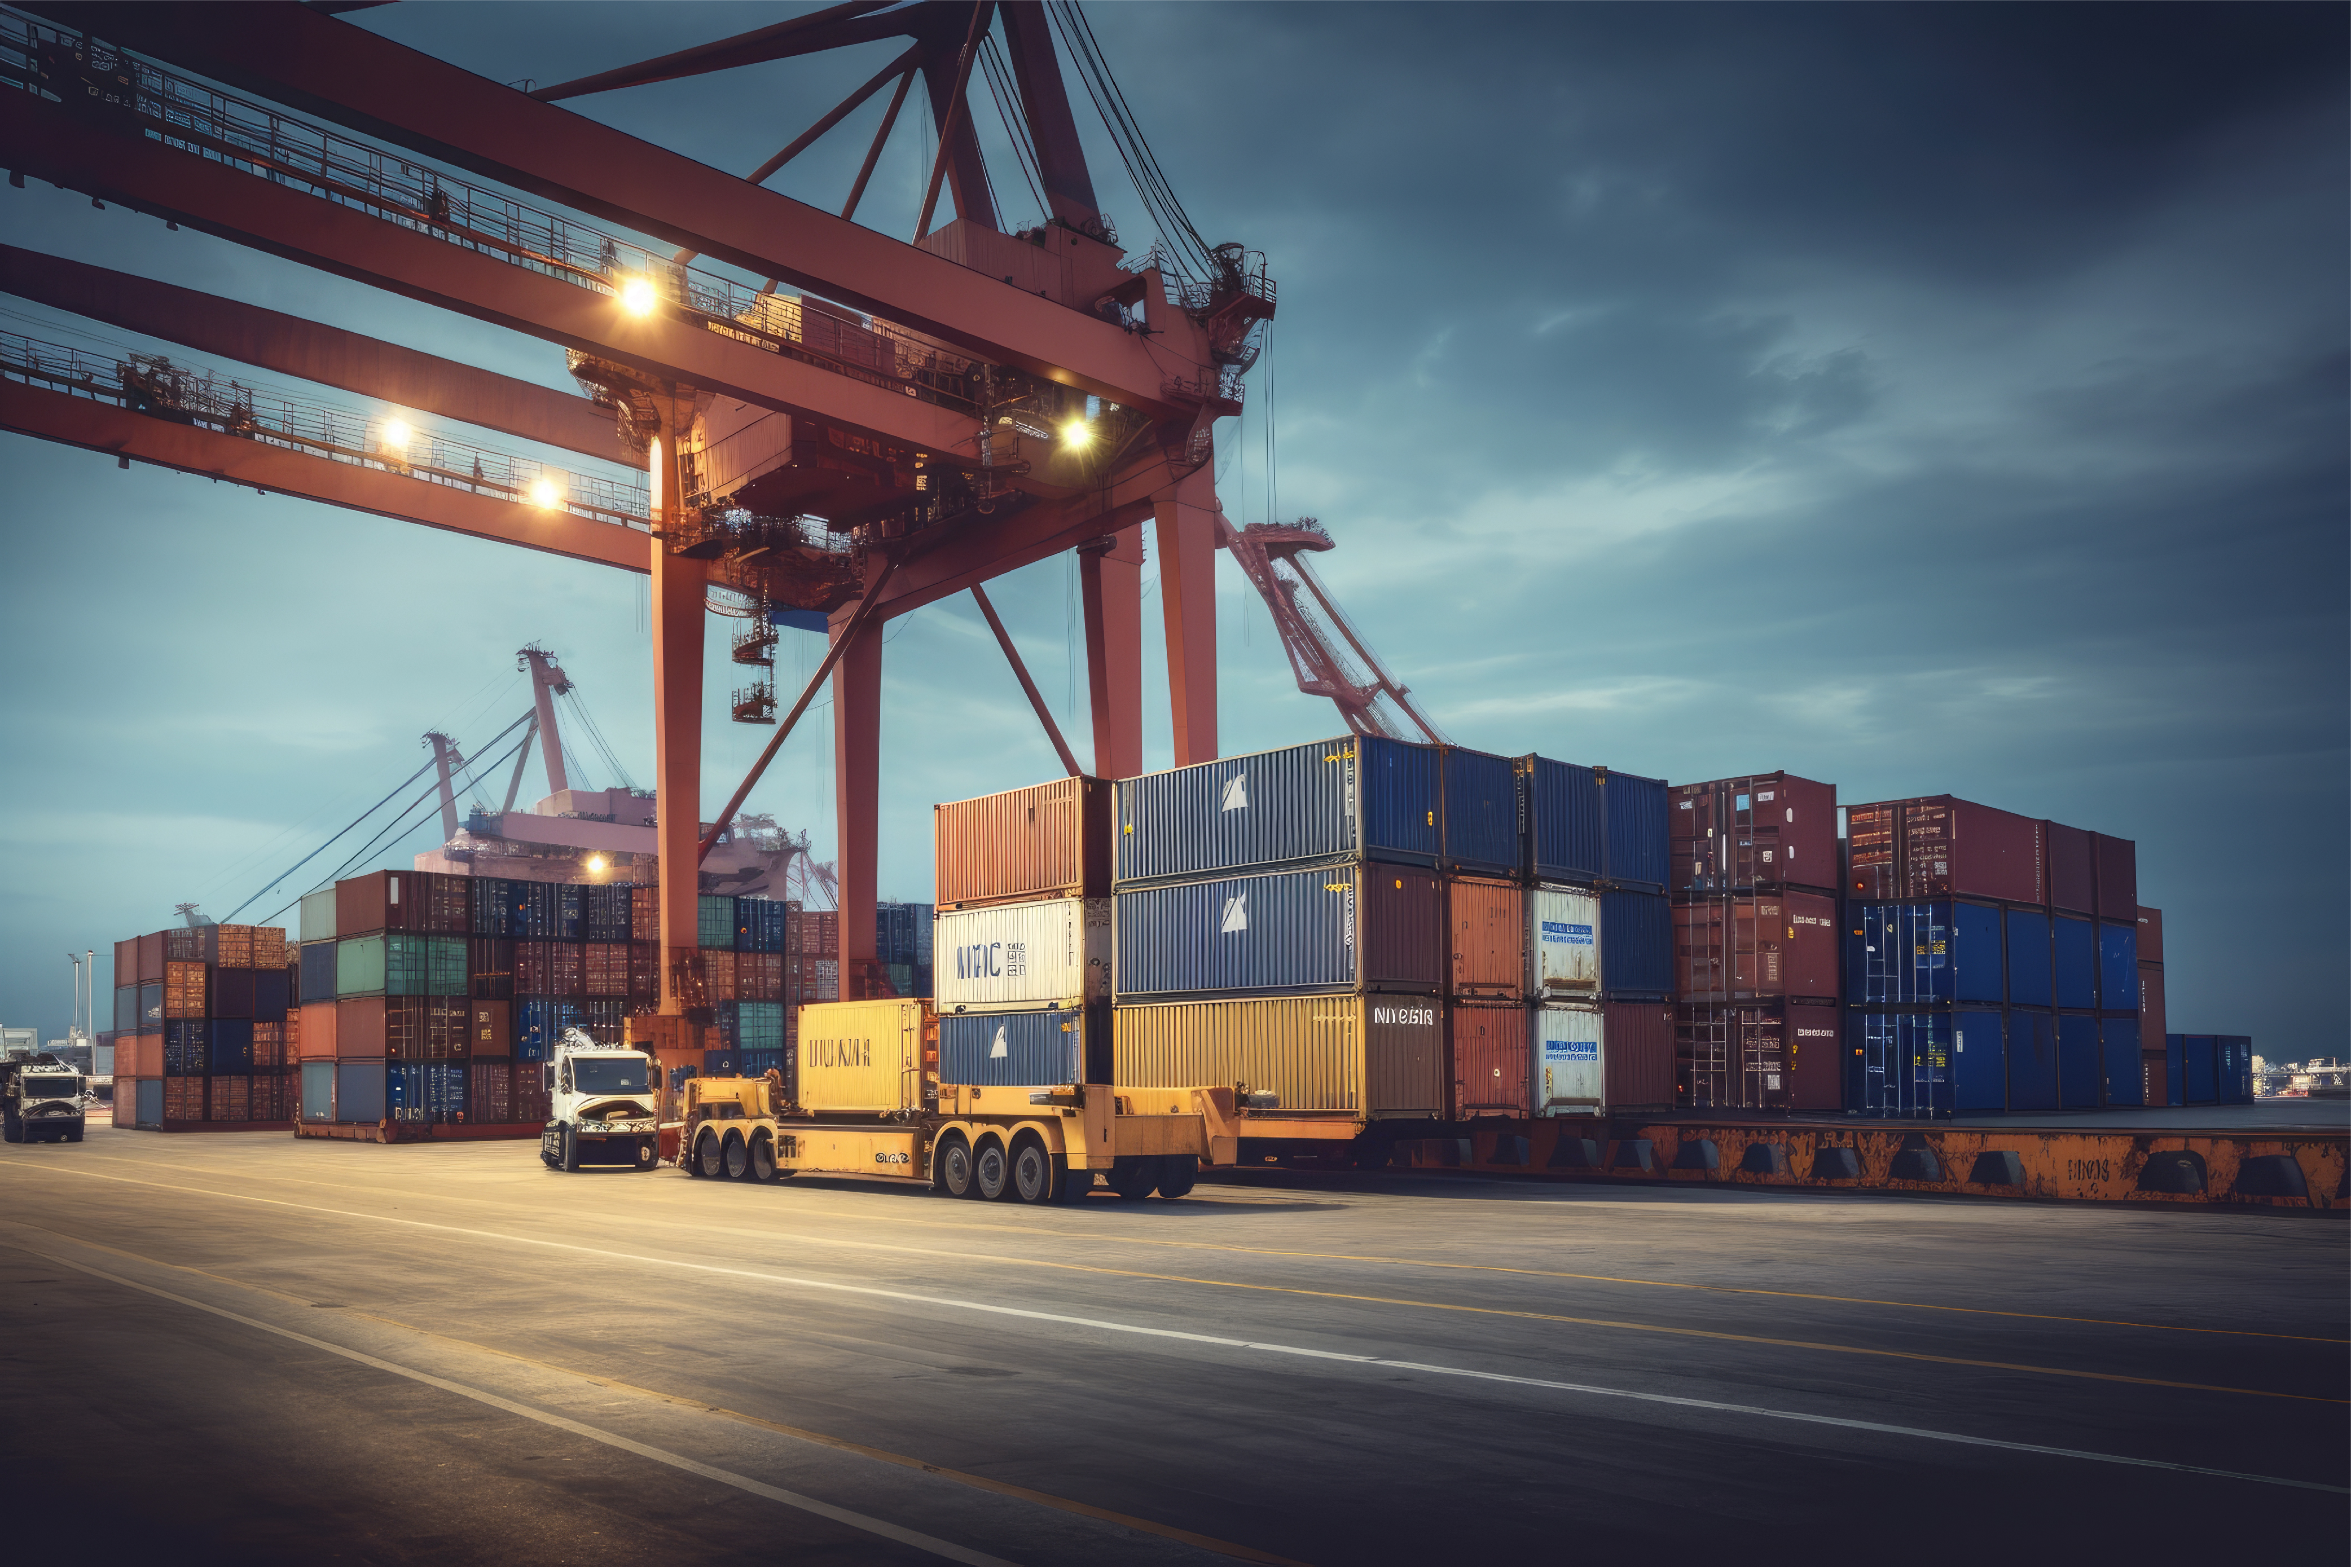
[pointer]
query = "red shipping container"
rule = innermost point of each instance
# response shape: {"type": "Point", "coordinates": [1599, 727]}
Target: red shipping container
{"type": "Point", "coordinates": [421, 901]}
{"type": "Point", "coordinates": [269, 947]}
{"type": "Point", "coordinates": [532, 1102]}
{"type": "Point", "coordinates": [293, 1027]}
{"type": "Point", "coordinates": [232, 1098]}
{"type": "Point", "coordinates": [489, 1093]}
{"type": "Point", "coordinates": [1636, 1055]}
{"type": "Point", "coordinates": [317, 1042]}
{"type": "Point", "coordinates": [491, 1030]}
{"type": "Point", "coordinates": [1045, 841]}
{"type": "Point", "coordinates": [150, 958]}
{"type": "Point", "coordinates": [146, 1056]}
{"type": "Point", "coordinates": [359, 1029]}
{"type": "Point", "coordinates": [2155, 1078]}
{"type": "Point", "coordinates": [759, 977]}
{"type": "Point", "coordinates": [184, 988]}
{"type": "Point", "coordinates": [1491, 1077]}
{"type": "Point", "coordinates": [2150, 935]}
{"type": "Point", "coordinates": [607, 971]}
{"type": "Point", "coordinates": [428, 1029]}
{"type": "Point", "coordinates": [184, 1099]}
{"type": "Point", "coordinates": [2154, 1019]}
{"type": "Point", "coordinates": [126, 963]}
{"type": "Point", "coordinates": [644, 972]}
{"type": "Point", "coordinates": [1737, 950]}
{"type": "Point", "coordinates": [1940, 848]}
{"type": "Point", "coordinates": [644, 913]}
{"type": "Point", "coordinates": [718, 974]}
{"type": "Point", "coordinates": [2072, 868]}
{"type": "Point", "coordinates": [269, 1044]}
{"type": "Point", "coordinates": [125, 1105]}
{"type": "Point", "coordinates": [1486, 922]}
{"type": "Point", "coordinates": [1760, 830]}
{"type": "Point", "coordinates": [1757, 1056]}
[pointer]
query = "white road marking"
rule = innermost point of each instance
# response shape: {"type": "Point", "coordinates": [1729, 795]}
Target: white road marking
{"type": "Point", "coordinates": [1924, 1434]}
{"type": "Point", "coordinates": [888, 1531]}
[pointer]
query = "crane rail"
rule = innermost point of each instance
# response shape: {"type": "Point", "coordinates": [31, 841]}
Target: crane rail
{"type": "Point", "coordinates": [126, 92]}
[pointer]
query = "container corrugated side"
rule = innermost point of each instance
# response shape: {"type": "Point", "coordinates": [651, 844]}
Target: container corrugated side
{"type": "Point", "coordinates": [863, 1058]}
{"type": "Point", "coordinates": [1365, 1057]}
{"type": "Point", "coordinates": [1022, 955]}
{"type": "Point", "coordinates": [1041, 1046]}
{"type": "Point", "coordinates": [1491, 1075]}
{"type": "Point", "coordinates": [1636, 944]}
{"type": "Point", "coordinates": [1480, 814]}
{"type": "Point", "coordinates": [2150, 935]}
{"type": "Point", "coordinates": [1561, 821]}
{"type": "Point", "coordinates": [1639, 853]}
{"type": "Point", "coordinates": [1351, 797]}
{"type": "Point", "coordinates": [1043, 841]}
{"type": "Point", "coordinates": [316, 923]}
{"type": "Point", "coordinates": [1329, 928]}
{"type": "Point", "coordinates": [1638, 1070]}
{"type": "Point", "coordinates": [1486, 934]}
{"type": "Point", "coordinates": [1567, 1046]}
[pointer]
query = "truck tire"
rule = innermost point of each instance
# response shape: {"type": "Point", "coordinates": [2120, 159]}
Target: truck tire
{"type": "Point", "coordinates": [763, 1157]}
{"type": "Point", "coordinates": [1077, 1184]}
{"type": "Point", "coordinates": [570, 1150]}
{"type": "Point", "coordinates": [953, 1167]}
{"type": "Point", "coordinates": [991, 1173]}
{"type": "Point", "coordinates": [74, 1136]}
{"type": "Point", "coordinates": [1032, 1171]}
{"type": "Point", "coordinates": [738, 1157]}
{"type": "Point", "coordinates": [710, 1156]}
{"type": "Point", "coordinates": [12, 1130]}
{"type": "Point", "coordinates": [648, 1156]}
{"type": "Point", "coordinates": [1133, 1177]}
{"type": "Point", "coordinates": [1177, 1172]}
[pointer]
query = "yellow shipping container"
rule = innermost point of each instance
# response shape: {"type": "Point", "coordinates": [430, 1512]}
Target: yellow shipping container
{"type": "Point", "coordinates": [866, 1058]}
{"type": "Point", "coordinates": [1365, 1056]}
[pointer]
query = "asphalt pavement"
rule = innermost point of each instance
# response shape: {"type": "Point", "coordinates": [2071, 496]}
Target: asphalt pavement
{"type": "Point", "coordinates": [259, 1348]}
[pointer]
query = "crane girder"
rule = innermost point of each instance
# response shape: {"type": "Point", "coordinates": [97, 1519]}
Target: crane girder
{"type": "Point", "coordinates": [291, 55]}
{"type": "Point", "coordinates": [277, 470]}
{"type": "Point", "coordinates": [46, 142]}
{"type": "Point", "coordinates": [326, 355]}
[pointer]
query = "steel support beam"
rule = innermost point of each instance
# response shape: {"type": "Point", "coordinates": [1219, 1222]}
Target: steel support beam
{"type": "Point", "coordinates": [236, 460]}
{"type": "Point", "coordinates": [678, 594]}
{"type": "Point", "coordinates": [289, 53]}
{"type": "Point", "coordinates": [1186, 523]}
{"type": "Point", "coordinates": [326, 355]}
{"type": "Point", "coordinates": [46, 143]}
{"type": "Point", "coordinates": [1109, 578]}
{"type": "Point", "coordinates": [857, 783]}
{"type": "Point", "coordinates": [1060, 157]}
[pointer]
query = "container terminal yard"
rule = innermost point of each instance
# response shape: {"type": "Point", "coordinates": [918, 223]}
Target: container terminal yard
{"type": "Point", "coordinates": [1363, 1147]}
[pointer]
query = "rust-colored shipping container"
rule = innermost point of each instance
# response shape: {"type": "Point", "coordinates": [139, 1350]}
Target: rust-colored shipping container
{"type": "Point", "coordinates": [2072, 868]}
{"type": "Point", "coordinates": [426, 902]}
{"type": "Point", "coordinates": [489, 1093]}
{"type": "Point", "coordinates": [2150, 935]}
{"type": "Point", "coordinates": [1758, 831]}
{"type": "Point", "coordinates": [2116, 860]}
{"type": "Point", "coordinates": [645, 971]}
{"type": "Point", "coordinates": [1736, 949]}
{"type": "Point", "coordinates": [185, 989]}
{"type": "Point", "coordinates": [1757, 1056]}
{"type": "Point", "coordinates": [231, 1099]}
{"type": "Point", "coordinates": [293, 1027]}
{"type": "Point", "coordinates": [359, 1029]}
{"type": "Point", "coordinates": [317, 1042]}
{"type": "Point", "coordinates": [126, 963]}
{"type": "Point", "coordinates": [489, 968]}
{"type": "Point", "coordinates": [644, 913]}
{"type": "Point", "coordinates": [1939, 846]}
{"type": "Point", "coordinates": [2154, 1017]}
{"type": "Point", "coordinates": [1636, 1055]}
{"type": "Point", "coordinates": [718, 974]}
{"type": "Point", "coordinates": [551, 968]}
{"type": "Point", "coordinates": [759, 977]}
{"type": "Point", "coordinates": [532, 1101]}
{"type": "Point", "coordinates": [269, 1045]}
{"type": "Point", "coordinates": [428, 1029]}
{"type": "Point", "coordinates": [607, 972]}
{"type": "Point", "coordinates": [184, 1099]}
{"type": "Point", "coordinates": [270, 950]}
{"type": "Point", "coordinates": [491, 1031]}
{"type": "Point", "coordinates": [150, 958]}
{"type": "Point", "coordinates": [146, 1056]}
{"type": "Point", "coordinates": [1489, 1051]}
{"type": "Point", "coordinates": [125, 1106]}
{"type": "Point", "coordinates": [1047, 840]}
{"type": "Point", "coordinates": [1486, 922]}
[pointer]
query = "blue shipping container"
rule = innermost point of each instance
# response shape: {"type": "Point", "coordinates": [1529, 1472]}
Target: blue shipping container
{"type": "Point", "coordinates": [1927, 1064]}
{"type": "Point", "coordinates": [760, 924]}
{"type": "Point", "coordinates": [1280, 931]}
{"type": "Point", "coordinates": [1562, 821]}
{"type": "Point", "coordinates": [2197, 1056]}
{"type": "Point", "coordinates": [497, 910]}
{"type": "Point", "coordinates": [187, 1046]}
{"type": "Point", "coordinates": [2077, 963]}
{"type": "Point", "coordinates": [605, 912]}
{"type": "Point", "coordinates": [231, 1050]}
{"type": "Point", "coordinates": [1636, 944]}
{"type": "Point", "coordinates": [2028, 959]}
{"type": "Point", "coordinates": [1479, 817]}
{"type": "Point", "coordinates": [2118, 967]}
{"type": "Point", "coordinates": [1358, 796]}
{"type": "Point", "coordinates": [538, 1022]}
{"type": "Point", "coordinates": [270, 995]}
{"type": "Point", "coordinates": [1899, 955]}
{"type": "Point", "coordinates": [2080, 1069]}
{"type": "Point", "coordinates": [1638, 851]}
{"type": "Point", "coordinates": [723, 1063]}
{"type": "Point", "coordinates": [318, 1092]}
{"type": "Point", "coordinates": [149, 1109]}
{"type": "Point", "coordinates": [2119, 1047]}
{"type": "Point", "coordinates": [2232, 1070]}
{"type": "Point", "coordinates": [751, 1025]}
{"type": "Point", "coordinates": [995, 1049]}
{"type": "Point", "coordinates": [2032, 1061]}
{"type": "Point", "coordinates": [424, 1090]}
{"type": "Point", "coordinates": [756, 1063]}
{"type": "Point", "coordinates": [359, 1091]}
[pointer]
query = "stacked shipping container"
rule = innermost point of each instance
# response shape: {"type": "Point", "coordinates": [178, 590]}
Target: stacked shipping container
{"type": "Point", "coordinates": [1755, 944]}
{"type": "Point", "coordinates": [2154, 1076]}
{"type": "Point", "coordinates": [204, 1028]}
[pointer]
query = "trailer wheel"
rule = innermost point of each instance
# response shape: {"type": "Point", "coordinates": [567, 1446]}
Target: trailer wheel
{"type": "Point", "coordinates": [738, 1157]}
{"type": "Point", "coordinates": [710, 1155]}
{"type": "Point", "coordinates": [1032, 1171]}
{"type": "Point", "coordinates": [954, 1166]}
{"type": "Point", "coordinates": [1177, 1172]}
{"type": "Point", "coordinates": [646, 1154]}
{"type": "Point", "coordinates": [1077, 1183]}
{"type": "Point", "coordinates": [763, 1157]}
{"type": "Point", "coordinates": [74, 1136]}
{"type": "Point", "coordinates": [991, 1173]}
{"type": "Point", "coordinates": [1133, 1177]}
{"type": "Point", "coordinates": [570, 1150]}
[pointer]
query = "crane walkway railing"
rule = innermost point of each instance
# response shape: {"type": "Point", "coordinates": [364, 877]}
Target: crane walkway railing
{"type": "Point", "coordinates": [120, 89]}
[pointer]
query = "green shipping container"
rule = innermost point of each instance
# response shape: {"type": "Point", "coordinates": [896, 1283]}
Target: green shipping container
{"type": "Point", "coordinates": [359, 967]}
{"type": "Point", "coordinates": [716, 923]}
{"type": "Point", "coordinates": [400, 963]}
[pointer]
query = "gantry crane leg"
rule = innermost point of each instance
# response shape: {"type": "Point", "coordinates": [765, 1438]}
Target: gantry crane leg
{"type": "Point", "coordinates": [1109, 579]}
{"type": "Point", "coordinates": [677, 596]}
{"type": "Point", "coordinates": [857, 779]}
{"type": "Point", "coordinates": [1186, 523]}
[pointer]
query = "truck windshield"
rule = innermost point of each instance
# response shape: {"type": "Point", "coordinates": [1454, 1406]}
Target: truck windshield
{"type": "Point", "coordinates": [51, 1088]}
{"type": "Point", "coordinates": [609, 1077]}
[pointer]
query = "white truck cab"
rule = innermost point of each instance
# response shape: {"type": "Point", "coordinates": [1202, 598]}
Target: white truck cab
{"type": "Point", "coordinates": [603, 1104]}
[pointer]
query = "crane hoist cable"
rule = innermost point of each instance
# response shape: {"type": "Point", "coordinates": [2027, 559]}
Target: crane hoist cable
{"type": "Point", "coordinates": [1187, 250]}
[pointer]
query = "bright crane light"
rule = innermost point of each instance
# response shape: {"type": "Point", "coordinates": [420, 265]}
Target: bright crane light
{"type": "Point", "coordinates": [1077, 432]}
{"type": "Point", "coordinates": [595, 863]}
{"type": "Point", "coordinates": [545, 494]}
{"type": "Point", "coordinates": [397, 435]}
{"type": "Point", "coordinates": [637, 296]}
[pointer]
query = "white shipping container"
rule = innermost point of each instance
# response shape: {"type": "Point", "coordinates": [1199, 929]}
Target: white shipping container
{"type": "Point", "coordinates": [1563, 943]}
{"type": "Point", "coordinates": [1021, 955]}
{"type": "Point", "coordinates": [318, 921]}
{"type": "Point", "coordinates": [1568, 1047]}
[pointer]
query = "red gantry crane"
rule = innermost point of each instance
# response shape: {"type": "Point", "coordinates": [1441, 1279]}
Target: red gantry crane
{"type": "Point", "coordinates": [828, 420]}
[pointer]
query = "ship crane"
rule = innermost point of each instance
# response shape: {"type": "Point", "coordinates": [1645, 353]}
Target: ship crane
{"type": "Point", "coordinates": [1371, 699]}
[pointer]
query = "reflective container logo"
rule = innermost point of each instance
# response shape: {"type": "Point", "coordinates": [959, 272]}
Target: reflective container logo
{"type": "Point", "coordinates": [1235, 915]}
{"type": "Point", "coordinates": [1571, 1051]}
{"type": "Point", "coordinates": [1423, 1015]}
{"type": "Point", "coordinates": [1237, 792]}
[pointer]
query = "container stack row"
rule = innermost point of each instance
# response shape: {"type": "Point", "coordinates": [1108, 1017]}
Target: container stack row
{"type": "Point", "coordinates": [1756, 951]}
{"type": "Point", "coordinates": [2209, 1069]}
{"type": "Point", "coordinates": [204, 1029]}
{"type": "Point", "coordinates": [1991, 962]}
{"type": "Point", "coordinates": [2153, 1020]}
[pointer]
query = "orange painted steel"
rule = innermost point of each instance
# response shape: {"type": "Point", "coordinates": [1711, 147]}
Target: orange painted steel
{"type": "Point", "coordinates": [678, 599]}
{"type": "Point", "coordinates": [1186, 528]}
{"type": "Point", "coordinates": [1028, 687]}
{"type": "Point", "coordinates": [191, 449]}
{"type": "Point", "coordinates": [1110, 580]}
{"type": "Point", "coordinates": [857, 783]}
{"type": "Point", "coordinates": [326, 355]}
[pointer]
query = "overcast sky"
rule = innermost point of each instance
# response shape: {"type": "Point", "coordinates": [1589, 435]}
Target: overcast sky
{"type": "Point", "coordinates": [1922, 399]}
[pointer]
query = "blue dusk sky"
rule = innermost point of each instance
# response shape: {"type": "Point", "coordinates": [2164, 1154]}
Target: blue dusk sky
{"type": "Point", "coordinates": [1919, 399]}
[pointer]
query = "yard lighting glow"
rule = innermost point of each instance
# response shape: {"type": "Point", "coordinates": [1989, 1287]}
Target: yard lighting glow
{"type": "Point", "coordinates": [637, 296]}
{"type": "Point", "coordinates": [1077, 432]}
{"type": "Point", "coordinates": [595, 863]}
{"type": "Point", "coordinates": [545, 494]}
{"type": "Point", "coordinates": [397, 434]}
